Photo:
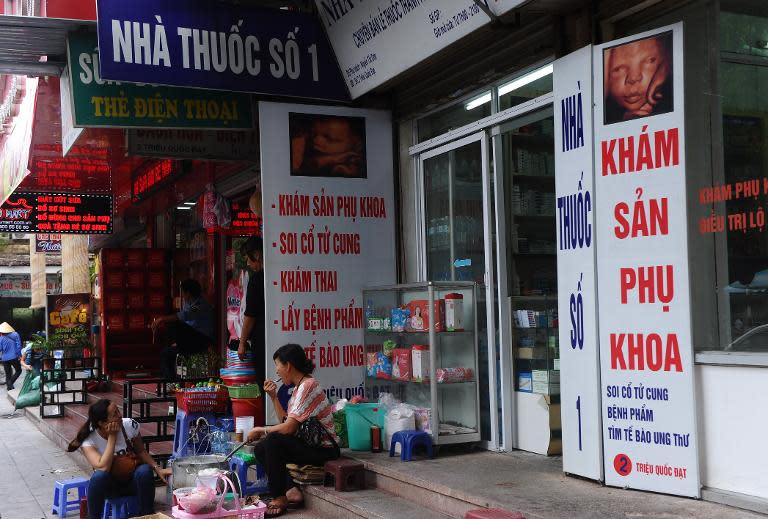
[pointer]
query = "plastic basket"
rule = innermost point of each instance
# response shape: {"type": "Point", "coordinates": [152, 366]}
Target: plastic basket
{"type": "Point", "coordinates": [244, 391]}
{"type": "Point", "coordinates": [360, 418]}
{"type": "Point", "coordinates": [220, 513]}
{"type": "Point", "coordinates": [191, 401]}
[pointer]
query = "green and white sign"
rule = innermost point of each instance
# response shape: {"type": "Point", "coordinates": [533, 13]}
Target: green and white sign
{"type": "Point", "coordinates": [97, 102]}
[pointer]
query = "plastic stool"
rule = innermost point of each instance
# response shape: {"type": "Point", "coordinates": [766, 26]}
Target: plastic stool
{"type": "Point", "coordinates": [492, 513]}
{"type": "Point", "coordinates": [408, 440]}
{"type": "Point", "coordinates": [61, 504]}
{"type": "Point", "coordinates": [120, 507]}
{"type": "Point", "coordinates": [342, 470]}
{"type": "Point", "coordinates": [184, 423]}
{"type": "Point", "coordinates": [240, 467]}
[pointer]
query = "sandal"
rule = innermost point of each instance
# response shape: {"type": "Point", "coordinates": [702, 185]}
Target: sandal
{"type": "Point", "coordinates": [275, 510]}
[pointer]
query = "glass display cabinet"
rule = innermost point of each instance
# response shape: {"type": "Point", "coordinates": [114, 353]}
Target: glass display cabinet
{"type": "Point", "coordinates": [421, 346]}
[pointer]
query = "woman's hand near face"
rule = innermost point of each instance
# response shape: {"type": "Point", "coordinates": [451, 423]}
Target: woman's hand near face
{"type": "Point", "coordinates": [270, 388]}
{"type": "Point", "coordinates": [113, 427]}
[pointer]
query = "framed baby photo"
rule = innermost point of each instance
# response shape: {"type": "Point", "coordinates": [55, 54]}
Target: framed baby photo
{"type": "Point", "coordinates": [637, 79]}
{"type": "Point", "coordinates": [327, 145]}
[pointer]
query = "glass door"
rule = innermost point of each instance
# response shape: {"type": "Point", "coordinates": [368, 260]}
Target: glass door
{"type": "Point", "coordinates": [457, 216]}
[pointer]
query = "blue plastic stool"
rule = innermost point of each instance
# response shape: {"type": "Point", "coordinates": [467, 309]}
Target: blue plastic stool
{"type": "Point", "coordinates": [408, 440]}
{"type": "Point", "coordinates": [120, 507]}
{"type": "Point", "coordinates": [61, 504]}
{"type": "Point", "coordinates": [240, 467]}
{"type": "Point", "coordinates": [184, 423]}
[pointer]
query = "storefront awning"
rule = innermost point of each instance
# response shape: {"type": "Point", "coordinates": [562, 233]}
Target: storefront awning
{"type": "Point", "coordinates": [24, 40]}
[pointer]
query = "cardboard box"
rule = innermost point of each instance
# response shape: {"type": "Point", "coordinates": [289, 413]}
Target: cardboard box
{"type": "Point", "coordinates": [401, 364]}
{"type": "Point", "coordinates": [420, 359]}
{"type": "Point", "coordinates": [419, 321]}
{"type": "Point", "coordinates": [524, 382]}
{"type": "Point", "coordinates": [531, 353]}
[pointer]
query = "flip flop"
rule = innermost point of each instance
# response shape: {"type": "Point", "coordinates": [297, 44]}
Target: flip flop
{"type": "Point", "coordinates": [295, 505]}
{"type": "Point", "coordinates": [275, 510]}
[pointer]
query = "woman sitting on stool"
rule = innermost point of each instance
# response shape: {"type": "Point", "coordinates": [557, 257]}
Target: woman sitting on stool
{"type": "Point", "coordinates": [104, 438]}
{"type": "Point", "coordinates": [281, 445]}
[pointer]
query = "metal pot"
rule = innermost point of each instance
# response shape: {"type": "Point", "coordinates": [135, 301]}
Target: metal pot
{"type": "Point", "coordinates": [185, 469]}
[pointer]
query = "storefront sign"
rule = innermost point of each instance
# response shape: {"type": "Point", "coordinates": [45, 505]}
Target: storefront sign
{"type": "Point", "coordinates": [69, 318]}
{"type": "Point", "coordinates": [97, 102]}
{"type": "Point", "coordinates": [375, 41]}
{"type": "Point", "coordinates": [649, 409]}
{"type": "Point", "coordinates": [48, 243]}
{"type": "Point", "coordinates": [194, 144]}
{"type": "Point", "coordinates": [577, 293]}
{"type": "Point", "coordinates": [85, 168]}
{"type": "Point", "coordinates": [57, 212]}
{"type": "Point", "coordinates": [153, 175]}
{"type": "Point", "coordinates": [14, 154]}
{"type": "Point", "coordinates": [331, 231]}
{"type": "Point", "coordinates": [217, 45]}
{"type": "Point", "coordinates": [244, 221]}
{"type": "Point", "coordinates": [19, 285]}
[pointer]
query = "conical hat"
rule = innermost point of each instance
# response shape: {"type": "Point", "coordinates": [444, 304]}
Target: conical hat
{"type": "Point", "coordinates": [6, 328]}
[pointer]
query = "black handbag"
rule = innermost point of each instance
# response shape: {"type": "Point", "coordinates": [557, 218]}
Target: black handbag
{"type": "Point", "coordinates": [311, 432]}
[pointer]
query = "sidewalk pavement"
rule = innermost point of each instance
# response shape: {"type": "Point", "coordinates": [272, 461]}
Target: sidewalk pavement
{"type": "Point", "coordinates": [31, 464]}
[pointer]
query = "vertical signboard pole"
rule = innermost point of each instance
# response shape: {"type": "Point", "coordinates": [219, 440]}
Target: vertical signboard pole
{"type": "Point", "coordinates": [577, 294]}
{"type": "Point", "coordinates": [649, 420]}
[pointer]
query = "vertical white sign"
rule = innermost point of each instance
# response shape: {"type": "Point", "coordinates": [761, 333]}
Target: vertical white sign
{"type": "Point", "coordinates": [649, 420]}
{"type": "Point", "coordinates": [576, 286]}
{"type": "Point", "coordinates": [69, 133]}
{"type": "Point", "coordinates": [329, 213]}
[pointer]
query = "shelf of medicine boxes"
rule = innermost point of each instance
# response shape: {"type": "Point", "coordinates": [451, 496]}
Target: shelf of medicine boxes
{"type": "Point", "coordinates": [455, 406]}
{"type": "Point", "coordinates": [536, 352]}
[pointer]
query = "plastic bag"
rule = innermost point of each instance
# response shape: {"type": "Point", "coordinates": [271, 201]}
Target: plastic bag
{"type": "Point", "coordinates": [401, 417]}
{"type": "Point", "coordinates": [29, 396]}
{"type": "Point", "coordinates": [387, 401]}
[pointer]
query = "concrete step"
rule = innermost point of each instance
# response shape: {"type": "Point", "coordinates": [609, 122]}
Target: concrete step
{"type": "Point", "coordinates": [368, 504]}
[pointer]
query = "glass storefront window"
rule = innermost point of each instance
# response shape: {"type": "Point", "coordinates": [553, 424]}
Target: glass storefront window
{"type": "Point", "coordinates": [742, 198]}
{"type": "Point", "coordinates": [528, 86]}
{"type": "Point", "coordinates": [455, 116]}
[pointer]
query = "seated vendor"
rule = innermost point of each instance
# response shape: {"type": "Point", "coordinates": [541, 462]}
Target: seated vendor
{"type": "Point", "coordinates": [280, 443]}
{"type": "Point", "coordinates": [114, 448]}
{"type": "Point", "coordinates": [188, 331]}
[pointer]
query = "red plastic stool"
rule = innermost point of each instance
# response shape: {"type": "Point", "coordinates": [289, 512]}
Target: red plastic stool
{"type": "Point", "coordinates": [342, 470]}
{"type": "Point", "coordinates": [492, 513]}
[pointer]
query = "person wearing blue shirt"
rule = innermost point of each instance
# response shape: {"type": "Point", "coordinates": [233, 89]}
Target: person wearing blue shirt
{"type": "Point", "coordinates": [188, 331]}
{"type": "Point", "coordinates": [10, 353]}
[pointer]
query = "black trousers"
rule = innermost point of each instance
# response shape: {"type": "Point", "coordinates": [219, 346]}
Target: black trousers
{"type": "Point", "coordinates": [9, 366]}
{"type": "Point", "coordinates": [187, 340]}
{"type": "Point", "coordinates": [277, 449]}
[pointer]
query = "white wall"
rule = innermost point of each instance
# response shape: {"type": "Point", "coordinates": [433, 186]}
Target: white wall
{"type": "Point", "coordinates": [733, 418]}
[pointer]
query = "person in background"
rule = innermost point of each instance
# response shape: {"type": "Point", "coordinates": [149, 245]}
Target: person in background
{"type": "Point", "coordinates": [10, 349]}
{"type": "Point", "coordinates": [280, 444]}
{"type": "Point", "coordinates": [103, 437]}
{"type": "Point", "coordinates": [253, 322]}
{"type": "Point", "coordinates": [188, 331]}
{"type": "Point", "coordinates": [31, 358]}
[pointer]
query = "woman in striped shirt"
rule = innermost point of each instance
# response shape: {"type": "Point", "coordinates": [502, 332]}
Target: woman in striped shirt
{"type": "Point", "coordinates": [280, 445]}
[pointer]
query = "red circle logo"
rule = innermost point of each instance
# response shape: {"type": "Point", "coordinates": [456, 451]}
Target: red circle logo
{"type": "Point", "coordinates": [622, 464]}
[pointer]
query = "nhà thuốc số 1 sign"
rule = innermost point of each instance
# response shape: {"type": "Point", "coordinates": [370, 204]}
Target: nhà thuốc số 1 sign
{"type": "Point", "coordinates": [57, 212]}
{"type": "Point", "coordinates": [219, 46]}
{"type": "Point", "coordinates": [97, 102]}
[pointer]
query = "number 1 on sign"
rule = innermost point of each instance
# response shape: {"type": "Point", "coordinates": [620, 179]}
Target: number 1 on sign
{"type": "Point", "coordinates": [578, 410]}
